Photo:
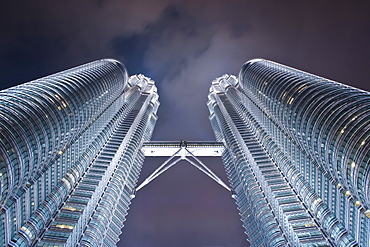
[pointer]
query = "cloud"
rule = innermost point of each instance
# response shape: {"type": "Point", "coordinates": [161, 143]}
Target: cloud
{"type": "Point", "coordinates": [184, 45]}
{"type": "Point", "coordinates": [186, 93]}
{"type": "Point", "coordinates": [53, 35]}
{"type": "Point", "coordinates": [185, 52]}
{"type": "Point", "coordinates": [191, 43]}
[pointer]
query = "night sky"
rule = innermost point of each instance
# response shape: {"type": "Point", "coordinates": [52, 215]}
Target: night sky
{"type": "Point", "coordinates": [183, 46]}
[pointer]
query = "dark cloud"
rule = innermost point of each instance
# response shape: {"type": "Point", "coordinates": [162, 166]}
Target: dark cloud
{"type": "Point", "coordinates": [18, 67]}
{"type": "Point", "coordinates": [175, 40]}
{"type": "Point", "coordinates": [131, 52]}
{"type": "Point", "coordinates": [52, 35]}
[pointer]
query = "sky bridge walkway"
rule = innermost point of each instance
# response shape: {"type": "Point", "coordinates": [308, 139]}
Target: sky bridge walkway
{"type": "Point", "coordinates": [182, 150]}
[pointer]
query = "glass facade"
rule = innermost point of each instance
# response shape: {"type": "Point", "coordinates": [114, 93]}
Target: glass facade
{"type": "Point", "coordinates": [297, 155]}
{"type": "Point", "coordinates": [70, 154]}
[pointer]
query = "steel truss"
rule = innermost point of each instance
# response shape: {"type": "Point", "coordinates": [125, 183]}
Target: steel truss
{"type": "Point", "coordinates": [181, 151]}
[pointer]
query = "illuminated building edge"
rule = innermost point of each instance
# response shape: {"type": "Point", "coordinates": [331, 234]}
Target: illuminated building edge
{"type": "Point", "coordinates": [296, 154]}
{"type": "Point", "coordinates": [70, 154]}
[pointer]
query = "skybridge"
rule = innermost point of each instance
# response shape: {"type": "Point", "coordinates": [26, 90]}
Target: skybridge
{"type": "Point", "coordinates": [182, 150]}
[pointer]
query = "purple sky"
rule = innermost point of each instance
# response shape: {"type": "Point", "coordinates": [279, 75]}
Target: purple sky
{"type": "Point", "coordinates": [183, 46]}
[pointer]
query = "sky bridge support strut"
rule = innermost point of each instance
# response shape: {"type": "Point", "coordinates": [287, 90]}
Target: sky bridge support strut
{"type": "Point", "coordinates": [177, 151]}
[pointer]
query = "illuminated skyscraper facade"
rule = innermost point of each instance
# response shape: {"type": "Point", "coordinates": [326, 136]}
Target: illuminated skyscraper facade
{"type": "Point", "coordinates": [296, 149]}
{"type": "Point", "coordinates": [297, 154]}
{"type": "Point", "coordinates": [70, 154]}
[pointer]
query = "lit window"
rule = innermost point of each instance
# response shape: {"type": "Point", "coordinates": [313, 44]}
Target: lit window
{"type": "Point", "coordinates": [316, 201]}
{"type": "Point", "coordinates": [66, 182]}
{"type": "Point", "coordinates": [70, 208]}
{"type": "Point", "coordinates": [302, 88]}
{"type": "Point", "coordinates": [27, 231]}
{"type": "Point", "coordinates": [65, 227]}
{"type": "Point", "coordinates": [367, 213]}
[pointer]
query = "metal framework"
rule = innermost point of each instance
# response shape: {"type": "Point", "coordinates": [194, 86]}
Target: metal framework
{"type": "Point", "coordinates": [182, 150]}
{"type": "Point", "coordinates": [70, 154]}
{"type": "Point", "coordinates": [295, 148]}
{"type": "Point", "coordinates": [297, 155]}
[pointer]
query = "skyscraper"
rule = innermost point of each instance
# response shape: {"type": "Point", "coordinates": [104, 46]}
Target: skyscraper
{"type": "Point", "coordinates": [70, 154]}
{"type": "Point", "coordinates": [297, 153]}
{"type": "Point", "coordinates": [295, 147]}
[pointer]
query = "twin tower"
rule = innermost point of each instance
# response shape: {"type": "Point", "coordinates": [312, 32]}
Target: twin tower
{"type": "Point", "coordinates": [296, 150]}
